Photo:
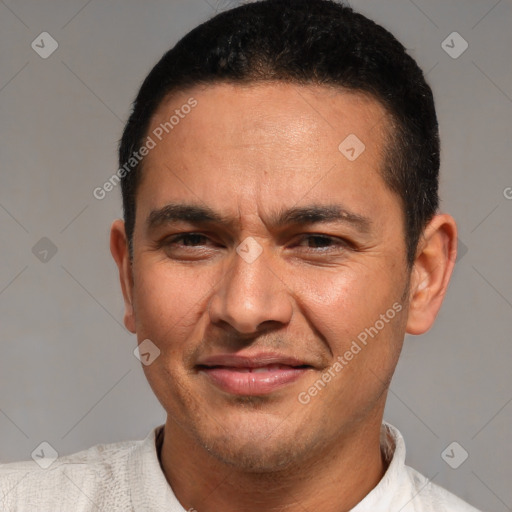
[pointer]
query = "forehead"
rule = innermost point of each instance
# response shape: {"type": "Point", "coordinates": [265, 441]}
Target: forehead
{"type": "Point", "coordinates": [258, 112]}
{"type": "Point", "coordinates": [266, 143]}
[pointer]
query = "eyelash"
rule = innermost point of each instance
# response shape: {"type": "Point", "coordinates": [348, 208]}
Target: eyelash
{"type": "Point", "coordinates": [336, 241]}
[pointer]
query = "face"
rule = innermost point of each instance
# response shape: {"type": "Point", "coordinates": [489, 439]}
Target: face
{"type": "Point", "coordinates": [269, 269]}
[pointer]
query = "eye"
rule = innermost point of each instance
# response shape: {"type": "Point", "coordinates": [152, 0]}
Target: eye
{"type": "Point", "coordinates": [323, 242]}
{"type": "Point", "coordinates": [316, 243]}
{"type": "Point", "coordinates": [188, 239]}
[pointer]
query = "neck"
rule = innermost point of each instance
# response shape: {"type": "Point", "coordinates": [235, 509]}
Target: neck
{"type": "Point", "coordinates": [332, 480]}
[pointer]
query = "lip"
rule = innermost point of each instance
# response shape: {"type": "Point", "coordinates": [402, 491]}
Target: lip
{"type": "Point", "coordinates": [258, 374]}
{"type": "Point", "coordinates": [255, 360]}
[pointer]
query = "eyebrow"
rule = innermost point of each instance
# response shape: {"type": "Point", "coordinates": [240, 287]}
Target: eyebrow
{"type": "Point", "coordinates": [311, 214]}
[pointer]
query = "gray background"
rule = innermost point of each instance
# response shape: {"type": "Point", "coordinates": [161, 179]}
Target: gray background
{"type": "Point", "coordinates": [67, 370]}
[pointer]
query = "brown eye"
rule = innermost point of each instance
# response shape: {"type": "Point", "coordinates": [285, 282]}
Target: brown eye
{"type": "Point", "coordinates": [188, 239]}
{"type": "Point", "coordinates": [322, 242]}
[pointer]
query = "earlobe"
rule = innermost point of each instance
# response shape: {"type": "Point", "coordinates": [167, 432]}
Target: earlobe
{"type": "Point", "coordinates": [433, 267]}
{"type": "Point", "coordinates": [120, 253]}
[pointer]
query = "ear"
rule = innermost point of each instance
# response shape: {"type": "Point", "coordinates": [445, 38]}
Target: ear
{"type": "Point", "coordinates": [433, 266]}
{"type": "Point", "coordinates": [120, 253]}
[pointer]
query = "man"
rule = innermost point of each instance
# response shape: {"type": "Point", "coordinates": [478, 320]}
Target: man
{"type": "Point", "coordinates": [281, 235]}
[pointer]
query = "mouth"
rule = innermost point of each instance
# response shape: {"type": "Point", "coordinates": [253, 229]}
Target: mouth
{"type": "Point", "coordinates": [258, 375]}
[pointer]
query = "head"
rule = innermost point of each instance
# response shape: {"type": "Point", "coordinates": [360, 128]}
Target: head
{"type": "Point", "coordinates": [289, 209]}
{"type": "Point", "coordinates": [305, 42]}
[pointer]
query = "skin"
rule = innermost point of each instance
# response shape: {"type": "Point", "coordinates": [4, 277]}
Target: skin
{"type": "Point", "coordinates": [249, 152]}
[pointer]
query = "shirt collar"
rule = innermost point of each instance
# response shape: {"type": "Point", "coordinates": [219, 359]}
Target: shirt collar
{"type": "Point", "coordinates": [150, 490]}
{"type": "Point", "coordinates": [392, 446]}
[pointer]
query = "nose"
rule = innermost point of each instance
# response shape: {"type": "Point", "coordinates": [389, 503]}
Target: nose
{"type": "Point", "coordinates": [251, 296]}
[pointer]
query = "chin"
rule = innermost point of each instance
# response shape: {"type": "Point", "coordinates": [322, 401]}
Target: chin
{"type": "Point", "coordinates": [255, 445]}
{"type": "Point", "coordinates": [253, 456]}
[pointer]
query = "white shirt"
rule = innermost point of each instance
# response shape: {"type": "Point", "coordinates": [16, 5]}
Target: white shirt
{"type": "Point", "coordinates": [127, 476]}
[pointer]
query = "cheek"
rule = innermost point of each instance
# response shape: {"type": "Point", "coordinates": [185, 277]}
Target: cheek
{"type": "Point", "coordinates": [345, 307]}
{"type": "Point", "coordinates": [169, 300]}
{"type": "Point", "coordinates": [343, 301]}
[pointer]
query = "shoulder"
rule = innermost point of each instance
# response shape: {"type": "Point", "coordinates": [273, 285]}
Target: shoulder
{"type": "Point", "coordinates": [405, 489]}
{"type": "Point", "coordinates": [77, 480]}
{"type": "Point", "coordinates": [432, 497]}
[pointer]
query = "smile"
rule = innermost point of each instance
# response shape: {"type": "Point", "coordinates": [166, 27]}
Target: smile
{"type": "Point", "coordinates": [254, 380]}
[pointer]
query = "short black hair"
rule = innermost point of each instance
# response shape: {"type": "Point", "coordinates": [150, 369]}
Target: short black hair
{"type": "Point", "coordinates": [305, 42]}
